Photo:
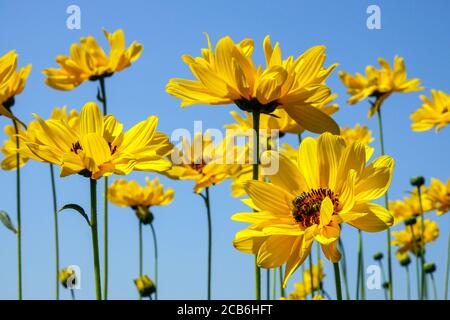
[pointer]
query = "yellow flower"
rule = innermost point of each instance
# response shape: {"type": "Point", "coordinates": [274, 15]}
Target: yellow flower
{"type": "Point", "coordinates": [203, 161]}
{"type": "Point", "coordinates": [88, 61]}
{"type": "Point", "coordinates": [319, 297]}
{"type": "Point", "coordinates": [278, 120]}
{"type": "Point", "coordinates": [318, 276]}
{"type": "Point", "coordinates": [331, 184]}
{"type": "Point", "coordinates": [299, 292]}
{"type": "Point", "coordinates": [439, 195]}
{"type": "Point", "coordinates": [358, 133]}
{"type": "Point", "coordinates": [97, 147]}
{"type": "Point", "coordinates": [433, 113]}
{"type": "Point", "coordinates": [12, 82]}
{"type": "Point", "coordinates": [229, 75]}
{"type": "Point", "coordinates": [379, 83]}
{"type": "Point", "coordinates": [9, 149]}
{"type": "Point", "coordinates": [145, 286]}
{"type": "Point", "coordinates": [404, 239]}
{"type": "Point", "coordinates": [410, 206]}
{"type": "Point", "coordinates": [403, 258]}
{"type": "Point", "coordinates": [65, 275]}
{"type": "Point", "coordinates": [130, 194]}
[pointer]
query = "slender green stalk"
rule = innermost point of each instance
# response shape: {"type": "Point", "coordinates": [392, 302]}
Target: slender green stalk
{"type": "Point", "coordinates": [72, 294]}
{"type": "Point", "coordinates": [155, 250]}
{"type": "Point", "coordinates": [268, 284]}
{"type": "Point", "coordinates": [311, 274]}
{"type": "Point", "coordinates": [141, 249]}
{"type": "Point", "coordinates": [282, 293]}
{"type": "Point", "coordinates": [274, 283]}
{"type": "Point", "coordinates": [362, 271]}
{"type": "Point", "coordinates": [318, 266]}
{"type": "Point", "coordinates": [384, 278]}
{"type": "Point", "coordinates": [103, 100]}
{"type": "Point", "coordinates": [299, 138]}
{"type": "Point", "coordinates": [19, 221]}
{"type": "Point", "coordinates": [386, 204]}
{"type": "Point", "coordinates": [55, 219]}
{"type": "Point", "coordinates": [256, 116]}
{"type": "Point", "coordinates": [344, 270]}
{"type": "Point", "coordinates": [208, 213]}
{"type": "Point", "coordinates": [94, 230]}
{"type": "Point", "coordinates": [337, 279]}
{"type": "Point", "coordinates": [434, 286]}
{"type": "Point", "coordinates": [419, 294]}
{"type": "Point", "coordinates": [358, 278]}
{"type": "Point", "coordinates": [408, 283]}
{"type": "Point", "coordinates": [447, 268]}
{"type": "Point", "coordinates": [422, 244]}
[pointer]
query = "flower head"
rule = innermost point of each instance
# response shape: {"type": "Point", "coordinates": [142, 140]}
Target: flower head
{"type": "Point", "coordinates": [438, 194]}
{"type": "Point", "coordinates": [12, 82]}
{"type": "Point", "coordinates": [409, 206]}
{"type": "Point", "coordinates": [433, 113]}
{"type": "Point", "coordinates": [379, 82]}
{"type": "Point", "coordinates": [145, 286]}
{"type": "Point", "coordinates": [205, 161]}
{"type": "Point", "coordinates": [96, 146]}
{"type": "Point", "coordinates": [330, 184]}
{"type": "Point", "coordinates": [410, 239]}
{"type": "Point", "coordinates": [88, 61]}
{"type": "Point", "coordinates": [66, 275]}
{"type": "Point", "coordinates": [358, 133]}
{"type": "Point", "coordinates": [228, 75]}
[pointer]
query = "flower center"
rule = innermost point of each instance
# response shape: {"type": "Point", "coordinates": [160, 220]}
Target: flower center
{"type": "Point", "coordinates": [306, 211]}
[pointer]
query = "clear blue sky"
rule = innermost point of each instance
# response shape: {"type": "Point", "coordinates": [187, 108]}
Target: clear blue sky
{"type": "Point", "coordinates": [416, 30]}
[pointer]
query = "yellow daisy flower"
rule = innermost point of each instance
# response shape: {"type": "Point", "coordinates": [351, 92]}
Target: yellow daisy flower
{"type": "Point", "coordinates": [299, 292]}
{"type": "Point", "coordinates": [12, 82]}
{"type": "Point", "coordinates": [203, 161]}
{"type": "Point", "coordinates": [410, 206]}
{"type": "Point", "coordinates": [438, 194]}
{"type": "Point", "coordinates": [433, 113]}
{"type": "Point", "coordinates": [358, 133]}
{"type": "Point", "coordinates": [379, 83]}
{"type": "Point", "coordinates": [97, 147]}
{"type": "Point", "coordinates": [409, 242]}
{"type": "Point", "coordinates": [331, 184]}
{"type": "Point", "coordinates": [229, 75]}
{"type": "Point", "coordinates": [88, 61]}
{"type": "Point", "coordinates": [317, 274]}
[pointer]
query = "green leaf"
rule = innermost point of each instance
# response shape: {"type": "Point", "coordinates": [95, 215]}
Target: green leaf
{"type": "Point", "coordinates": [6, 220]}
{"type": "Point", "coordinates": [77, 208]}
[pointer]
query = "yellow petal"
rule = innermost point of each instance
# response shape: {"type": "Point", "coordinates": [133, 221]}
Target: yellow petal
{"type": "Point", "coordinates": [91, 119]}
{"type": "Point", "coordinates": [275, 251]}
{"type": "Point", "coordinates": [269, 197]}
{"type": "Point", "coordinates": [377, 217]}
{"type": "Point", "coordinates": [312, 119]}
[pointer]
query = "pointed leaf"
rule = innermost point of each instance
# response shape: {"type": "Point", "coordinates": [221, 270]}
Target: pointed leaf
{"type": "Point", "coordinates": [77, 208]}
{"type": "Point", "coordinates": [6, 220]}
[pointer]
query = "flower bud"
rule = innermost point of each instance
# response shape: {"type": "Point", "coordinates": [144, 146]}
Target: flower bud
{"type": "Point", "coordinates": [65, 276]}
{"type": "Point", "coordinates": [145, 286]}
{"type": "Point", "coordinates": [378, 256]}
{"type": "Point", "coordinates": [405, 261]}
{"type": "Point", "coordinates": [429, 267]}
{"type": "Point", "coordinates": [417, 181]}
{"type": "Point", "coordinates": [386, 285]}
{"type": "Point", "coordinates": [144, 214]}
{"type": "Point", "coordinates": [410, 221]}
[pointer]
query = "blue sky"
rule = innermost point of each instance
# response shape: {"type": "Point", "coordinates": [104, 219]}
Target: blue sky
{"type": "Point", "coordinates": [415, 30]}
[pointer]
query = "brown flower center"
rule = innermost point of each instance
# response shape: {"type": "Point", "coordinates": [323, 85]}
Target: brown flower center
{"type": "Point", "coordinates": [306, 211]}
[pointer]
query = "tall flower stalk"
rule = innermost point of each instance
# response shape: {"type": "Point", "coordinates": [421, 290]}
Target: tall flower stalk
{"type": "Point", "coordinates": [209, 260]}
{"type": "Point", "coordinates": [55, 221]}
{"type": "Point", "coordinates": [155, 256]}
{"type": "Point", "coordinates": [19, 219]}
{"type": "Point", "coordinates": [94, 231]}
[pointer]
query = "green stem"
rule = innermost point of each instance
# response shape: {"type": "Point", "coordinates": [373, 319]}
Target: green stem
{"type": "Point", "coordinates": [299, 139]}
{"type": "Point", "coordinates": [318, 266]}
{"type": "Point", "coordinates": [256, 115]}
{"type": "Point", "coordinates": [434, 286]}
{"type": "Point", "coordinates": [344, 270]}
{"type": "Point", "coordinates": [361, 256]}
{"type": "Point", "coordinates": [447, 268]}
{"type": "Point", "coordinates": [208, 213]}
{"type": "Point", "coordinates": [155, 250]}
{"type": "Point", "coordinates": [268, 284]}
{"type": "Point", "coordinates": [72, 294]}
{"type": "Point", "coordinates": [55, 218]}
{"type": "Point", "coordinates": [141, 263]}
{"type": "Point", "coordinates": [419, 294]}
{"type": "Point", "coordinates": [408, 283]}
{"type": "Point", "coordinates": [19, 223]}
{"type": "Point", "coordinates": [422, 244]}
{"type": "Point", "coordinates": [94, 230]}
{"type": "Point", "coordinates": [274, 283]}
{"type": "Point", "coordinates": [337, 279]}
{"type": "Point", "coordinates": [282, 293]}
{"type": "Point", "coordinates": [105, 203]}
{"type": "Point", "coordinates": [386, 204]}
{"type": "Point", "coordinates": [384, 277]}
{"type": "Point", "coordinates": [311, 274]}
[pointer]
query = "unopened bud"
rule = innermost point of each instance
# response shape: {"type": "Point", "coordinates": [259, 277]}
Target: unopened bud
{"type": "Point", "coordinates": [144, 214]}
{"type": "Point", "coordinates": [145, 286]}
{"type": "Point", "coordinates": [410, 221]}
{"type": "Point", "coordinates": [429, 267]}
{"type": "Point", "coordinates": [378, 256]}
{"type": "Point", "coordinates": [417, 181]}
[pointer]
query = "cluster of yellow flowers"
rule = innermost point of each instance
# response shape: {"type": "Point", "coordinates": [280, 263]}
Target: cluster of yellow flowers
{"type": "Point", "coordinates": [328, 181]}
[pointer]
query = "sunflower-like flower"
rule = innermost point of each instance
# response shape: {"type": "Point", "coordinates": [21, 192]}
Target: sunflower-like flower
{"type": "Point", "coordinates": [411, 240]}
{"type": "Point", "coordinates": [9, 148]}
{"type": "Point", "coordinates": [279, 119]}
{"type": "Point", "coordinates": [438, 194]}
{"type": "Point", "coordinates": [205, 161]}
{"type": "Point", "coordinates": [97, 147]}
{"type": "Point", "coordinates": [12, 82]}
{"type": "Point", "coordinates": [130, 194]}
{"type": "Point", "coordinates": [433, 113]}
{"type": "Point", "coordinates": [409, 207]}
{"type": "Point", "coordinates": [88, 61]}
{"type": "Point", "coordinates": [305, 202]}
{"type": "Point", "coordinates": [358, 133]}
{"type": "Point", "coordinates": [303, 289]}
{"type": "Point", "coordinates": [379, 83]}
{"type": "Point", "coordinates": [229, 75]}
